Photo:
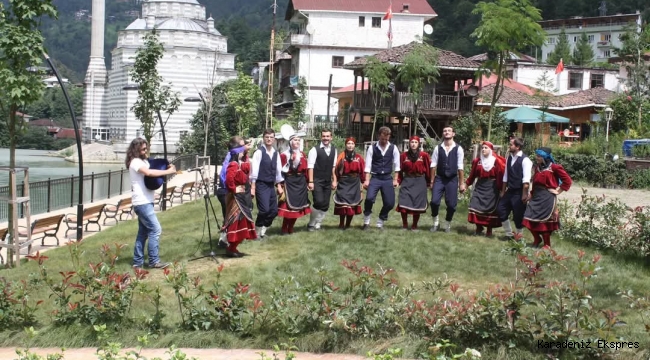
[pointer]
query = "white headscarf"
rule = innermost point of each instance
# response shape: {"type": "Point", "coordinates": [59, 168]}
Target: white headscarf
{"type": "Point", "coordinates": [488, 161]}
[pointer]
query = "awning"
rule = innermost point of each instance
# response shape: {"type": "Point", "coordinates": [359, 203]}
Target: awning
{"type": "Point", "coordinates": [528, 115]}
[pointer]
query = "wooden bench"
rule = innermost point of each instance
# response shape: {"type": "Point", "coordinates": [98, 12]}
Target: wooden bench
{"type": "Point", "coordinates": [46, 227]}
{"type": "Point", "coordinates": [168, 196]}
{"type": "Point", "coordinates": [185, 190]}
{"type": "Point", "coordinates": [91, 215]}
{"type": "Point", "coordinates": [123, 207]}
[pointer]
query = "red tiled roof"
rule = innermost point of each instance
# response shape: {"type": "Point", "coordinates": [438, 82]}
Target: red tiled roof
{"type": "Point", "coordinates": [489, 80]}
{"type": "Point", "coordinates": [66, 134]}
{"type": "Point", "coordinates": [418, 7]}
{"type": "Point", "coordinates": [582, 98]}
{"type": "Point", "coordinates": [43, 122]}
{"type": "Point", "coordinates": [446, 59]}
{"type": "Point", "coordinates": [350, 88]}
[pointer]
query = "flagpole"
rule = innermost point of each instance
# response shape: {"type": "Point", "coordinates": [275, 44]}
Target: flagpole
{"type": "Point", "coordinates": [390, 27]}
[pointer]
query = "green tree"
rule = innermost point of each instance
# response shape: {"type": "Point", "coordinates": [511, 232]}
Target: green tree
{"type": "Point", "coordinates": [418, 69]}
{"type": "Point", "coordinates": [505, 26]}
{"type": "Point", "coordinates": [545, 91]}
{"type": "Point", "coordinates": [635, 43]}
{"type": "Point", "coordinates": [562, 51]}
{"type": "Point", "coordinates": [379, 76]}
{"type": "Point", "coordinates": [222, 124]}
{"type": "Point", "coordinates": [247, 99]}
{"type": "Point", "coordinates": [299, 103]}
{"type": "Point", "coordinates": [21, 46]}
{"type": "Point", "coordinates": [583, 54]}
{"type": "Point", "coordinates": [153, 96]}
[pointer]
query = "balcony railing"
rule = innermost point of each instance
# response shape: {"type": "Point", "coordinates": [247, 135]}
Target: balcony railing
{"type": "Point", "coordinates": [603, 44]}
{"type": "Point", "coordinates": [367, 101]}
{"type": "Point", "coordinates": [300, 39]}
{"type": "Point", "coordinates": [431, 102]}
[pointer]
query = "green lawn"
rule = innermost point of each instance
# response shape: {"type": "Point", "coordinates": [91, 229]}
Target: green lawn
{"type": "Point", "coordinates": [473, 262]}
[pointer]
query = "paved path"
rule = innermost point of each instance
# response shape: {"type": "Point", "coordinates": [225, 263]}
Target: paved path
{"type": "Point", "coordinates": [202, 354]}
{"type": "Point", "coordinates": [177, 180]}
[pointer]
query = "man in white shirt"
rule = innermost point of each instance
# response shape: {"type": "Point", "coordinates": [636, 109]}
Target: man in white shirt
{"type": "Point", "coordinates": [321, 161]}
{"type": "Point", "coordinates": [516, 187]}
{"type": "Point", "coordinates": [142, 200]}
{"type": "Point", "coordinates": [447, 176]}
{"type": "Point", "coordinates": [383, 163]}
{"type": "Point", "coordinates": [266, 176]}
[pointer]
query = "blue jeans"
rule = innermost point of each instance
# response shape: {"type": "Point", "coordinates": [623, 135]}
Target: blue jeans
{"type": "Point", "coordinates": [148, 227]}
{"type": "Point", "coordinates": [380, 184]}
{"type": "Point", "coordinates": [449, 188]}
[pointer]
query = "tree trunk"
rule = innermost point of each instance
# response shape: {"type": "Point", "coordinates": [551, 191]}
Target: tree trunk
{"type": "Point", "coordinates": [495, 93]}
{"type": "Point", "coordinates": [12, 165]}
{"type": "Point", "coordinates": [374, 121]}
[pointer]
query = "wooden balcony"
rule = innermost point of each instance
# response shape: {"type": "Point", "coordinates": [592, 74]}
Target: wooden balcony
{"type": "Point", "coordinates": [433, 103]}
{"type": "Point", "coordinates": [402, 103]}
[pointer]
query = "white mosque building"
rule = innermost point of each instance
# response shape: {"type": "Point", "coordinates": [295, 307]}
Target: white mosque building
{"type": "Point", "coordinates": [196, 58]}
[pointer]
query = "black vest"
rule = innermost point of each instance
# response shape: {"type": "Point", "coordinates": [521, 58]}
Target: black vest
{"type": "Point", "coordinates": [268, 166]}
{"type": "Point", "coordinates": [324, 163]}
{"type": "Point", "coordinates": [447, 166]}
{"type": "Point", "coordinates": [382, 164]}
{"type": "Point", "coordinates": [515, 172]}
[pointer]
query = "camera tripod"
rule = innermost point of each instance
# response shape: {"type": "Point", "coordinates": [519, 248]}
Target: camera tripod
{"type": "Point", "coordinates": [208, 206]}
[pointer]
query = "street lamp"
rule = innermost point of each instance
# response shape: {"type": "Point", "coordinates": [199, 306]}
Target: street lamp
{"type": "Point", "coordinates": [163, 205]}
{"type": "Point", "coordinates": [75, 125]}
{"type": "Point", "coordinates": [608, 117]}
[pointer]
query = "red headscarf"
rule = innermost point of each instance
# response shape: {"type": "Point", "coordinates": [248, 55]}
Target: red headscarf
{"type": "Point", "coordinates": [488, 144]}
{"type": "Point", "coordinates": [488, 161]}
{"type": "Point", "coordinates": [414, 138]}
{"type": "Point", "coordinates": [351, 139]}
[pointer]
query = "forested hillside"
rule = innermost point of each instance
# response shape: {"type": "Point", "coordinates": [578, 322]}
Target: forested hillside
{"type": "Point", "coordinates": [247, 23]}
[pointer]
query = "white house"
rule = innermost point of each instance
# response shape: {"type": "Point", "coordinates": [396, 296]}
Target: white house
{"type": "Point", "coordinates": [603, 32]}
{"type": "Point", "coordinates": [195, 59]}
{"type": "Point", "coordinates": [572, 79]}
{"type": "Point", "coordinates": [328, 34]}
{"type": "Point", "coordinates": [525, 70]}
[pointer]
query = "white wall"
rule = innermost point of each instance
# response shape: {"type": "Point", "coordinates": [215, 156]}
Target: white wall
{"type": "Point", "coordinates": [342, 29]}
{"type": "Point", "coordinates": [529, 75]}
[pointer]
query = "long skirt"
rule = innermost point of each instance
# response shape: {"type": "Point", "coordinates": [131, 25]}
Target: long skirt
{"type": "Point", "coordinates": [542, 212]}
{"type": "Point", "coordinates": [484, 204]}
{"type": "Point", "coordinates": [413, 195]}
{"type": "Point", "coordinates": [296, 200]}
{"type": "Point", "coordinates": [347, 199]}
{"type": "Point", "coordinates": [239, 223]}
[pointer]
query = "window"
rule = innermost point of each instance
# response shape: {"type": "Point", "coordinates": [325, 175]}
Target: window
{"type": "Point", "coordinates": [376, 22]}
{"type": "Point", "coordinates": [510, 74]}
{"type": "Point", "coordinates": [358, 57]}
{"type": "Point", "coordinates": [362, 21]}
{"type": "Point", "coordinates": [575, 80]}
{"type": "Point", "coordinates": [591, 38]}
{"type": "Point", "coordinates": [575, 39]}
{"type": "Point", "coordinates": [337, 61]}
{"type": "Point", "coordinates": [551, 41]}
{"type": "Point", "coordinates": [597, 80]}
{"type": "Point", "coordinates": [605, 37]}
{"type": "Point", "coordinates": [606, 53]}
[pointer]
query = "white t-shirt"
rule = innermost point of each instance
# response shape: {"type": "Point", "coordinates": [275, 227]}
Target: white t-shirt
{"type": "Point", "coordinates": [140, 195]}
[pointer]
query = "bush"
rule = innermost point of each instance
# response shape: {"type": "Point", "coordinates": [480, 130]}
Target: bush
{"type": "Point", "coordinates": [607, 224]}
{"type": "Point", "coordinates": [596, 171]}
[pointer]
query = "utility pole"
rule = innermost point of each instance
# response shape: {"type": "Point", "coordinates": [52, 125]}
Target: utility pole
{"type": "Point", "coordinates": [269, 91]}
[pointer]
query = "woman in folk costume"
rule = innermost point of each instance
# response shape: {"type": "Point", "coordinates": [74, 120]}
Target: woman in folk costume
{"type": "Point", "coordinates": [349, 177]}
{"type": "Point", "coordinates": [549, 181]}
{"type": "Point", "coordinates": [295, 204]}
{"type": "Point", "coordinates": [239, 224]}
{"type": "Point", "coordinates": [488, 170]}
{"type": "Point", "coordinates": [413, 178]}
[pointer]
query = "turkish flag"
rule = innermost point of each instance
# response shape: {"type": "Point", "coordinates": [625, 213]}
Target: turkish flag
{"type": "Point", "coordinates": [560, 67]}
{"type": "Point", "coordinates": [389, 13]}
